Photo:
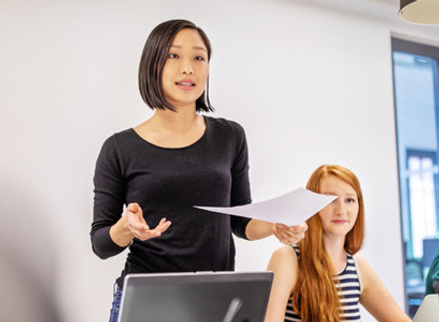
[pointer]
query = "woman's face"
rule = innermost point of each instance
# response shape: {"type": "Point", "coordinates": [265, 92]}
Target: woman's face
{"type": "Point", "coordinates": [338, 217]}
{"type": "Point", "coordinates": [186, 70]}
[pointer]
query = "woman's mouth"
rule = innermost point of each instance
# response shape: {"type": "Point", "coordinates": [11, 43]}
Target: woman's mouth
{"type": "Point", "coordinates": [185, 85]}
{"type": "Point", "coordinates": [339, 221]}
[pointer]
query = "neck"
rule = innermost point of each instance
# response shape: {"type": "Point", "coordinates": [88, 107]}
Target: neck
{"type": "Point", "coordinates": [337, 253]}
{"type": "Point", "coordinates": [180, 120]}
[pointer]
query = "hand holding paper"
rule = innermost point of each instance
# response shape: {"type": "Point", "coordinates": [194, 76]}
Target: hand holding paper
{"type": "Point", "coordinates": [290, 209]}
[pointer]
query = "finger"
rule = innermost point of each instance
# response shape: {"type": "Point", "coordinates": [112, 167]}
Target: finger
{"type": "Point", "coordinates": [145, 233]}
{"type": "Point", "coordinates": [288, 236]}
{"type": "Point", "coordinates": [288, 239]}
{"type": "Point", "coordinates": [300, 228]}
{"type": "Point", "coordinates": [278, 233]}
{"type": "Point", "coordinates": [284, 230]}
{"type": "Point", "coordinates": [298, 233]}
{"type": "Point", "coordinates": [281, 226]}
{"type": "Point", "coordinates": [162, 221]}
{"type": "Point", "coordinates": [293, 239]}
{"type": "Point", "coordinates": [149, 234]}
{"type": "Point", "coordinates": [163, 225]}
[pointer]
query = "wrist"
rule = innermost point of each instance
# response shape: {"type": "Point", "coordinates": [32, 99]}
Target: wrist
{"type": "Point", "coordinates": [120, 233]}
{"type": "Point", "coordinates": [124, 224]}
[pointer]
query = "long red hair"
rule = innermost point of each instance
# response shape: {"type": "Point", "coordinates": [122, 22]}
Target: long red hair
{"type": "Point", "coordinates": [314, 296]}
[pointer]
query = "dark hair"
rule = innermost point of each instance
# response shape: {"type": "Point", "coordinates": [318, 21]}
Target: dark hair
{"type": "Point", "coordinates": [154, 56]}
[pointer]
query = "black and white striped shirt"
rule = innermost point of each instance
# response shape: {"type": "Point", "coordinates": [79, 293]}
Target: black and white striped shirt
{"type": "Point", "coordinates": [348, 287]}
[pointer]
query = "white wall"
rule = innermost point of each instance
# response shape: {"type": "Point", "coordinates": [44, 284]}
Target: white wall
{"type": "Point", "coordinates": [309, 83]}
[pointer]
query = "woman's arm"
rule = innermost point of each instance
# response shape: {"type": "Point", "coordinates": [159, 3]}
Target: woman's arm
{"type": "Point", "coordinates": [258, 229]}
{"type": "Point", "coordinates": [284, 265]}
{"type": "Point", "coordinates": [111, 233]}
{"type": "Point", "coordinates": [375, 297]}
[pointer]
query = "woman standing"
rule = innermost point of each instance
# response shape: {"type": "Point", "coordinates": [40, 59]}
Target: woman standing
{"type": "Point", "coordinates": [176, 159]}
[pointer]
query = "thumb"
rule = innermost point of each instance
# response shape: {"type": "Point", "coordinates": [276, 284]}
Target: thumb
{"type": "Point", "coordinates": [134, 207]}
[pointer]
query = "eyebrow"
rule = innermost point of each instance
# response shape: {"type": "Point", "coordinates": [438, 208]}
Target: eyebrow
{"type": "Point", "coordinates": [193, 47]}
{"type": "Point", "coordinates": [334, 194]}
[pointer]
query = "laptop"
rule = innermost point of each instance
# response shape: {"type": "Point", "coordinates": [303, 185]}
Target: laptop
{"type": "Point", "coordinates": [196, 297]}
{"type": "Point", "coordinates": [428, 311]}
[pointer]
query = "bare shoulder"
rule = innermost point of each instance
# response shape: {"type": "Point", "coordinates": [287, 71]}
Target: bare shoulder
{"type": "Point", "coordinates": [283, 259]}
{"type": "Point", "coordinates": [285, 253]}
{"type": "Point", "coordinates": [360, 259]}
{"type": "Point", "coordinates": [363, 264]}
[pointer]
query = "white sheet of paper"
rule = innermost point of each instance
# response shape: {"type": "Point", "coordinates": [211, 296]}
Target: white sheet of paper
{"type": "Point", "coordinates": [290, 209]}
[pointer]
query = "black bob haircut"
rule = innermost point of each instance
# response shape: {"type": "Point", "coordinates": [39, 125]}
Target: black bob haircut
{"type": "Point", "coordinates": [154, 56]}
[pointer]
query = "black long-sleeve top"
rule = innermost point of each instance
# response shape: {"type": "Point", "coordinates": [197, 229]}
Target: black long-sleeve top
{"type": "Point", "coordinates": [168, 182]}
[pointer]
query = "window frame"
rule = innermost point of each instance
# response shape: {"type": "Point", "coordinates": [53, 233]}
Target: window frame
{"type": "Point", "coordinates": [411, 47]}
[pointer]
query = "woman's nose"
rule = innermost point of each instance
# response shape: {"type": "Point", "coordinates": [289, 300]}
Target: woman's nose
{"type": "Point", "coordinates": [187, 68]}
{"type": "Point", "coordinates": [340, 208]}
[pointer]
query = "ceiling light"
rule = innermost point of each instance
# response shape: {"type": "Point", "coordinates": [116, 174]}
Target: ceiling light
{"type": "Point", "coordinates": [424, 12]}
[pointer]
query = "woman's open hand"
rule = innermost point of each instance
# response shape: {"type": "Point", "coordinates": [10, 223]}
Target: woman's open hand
{"type": "Point", "coordinates": [138, 226]}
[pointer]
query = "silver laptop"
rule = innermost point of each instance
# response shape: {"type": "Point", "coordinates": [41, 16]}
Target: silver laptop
{"type": "Point", "coordinates": [196, 297]}
{"type": "Point", "coordinates": [428, 311]}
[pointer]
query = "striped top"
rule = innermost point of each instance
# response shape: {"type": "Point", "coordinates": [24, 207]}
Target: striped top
{"type": "Point", "coordinates": [348, 288]}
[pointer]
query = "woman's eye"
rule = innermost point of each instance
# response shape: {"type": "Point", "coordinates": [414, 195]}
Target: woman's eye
{"type": "Point", "coordinates": [199, 58]}
{"type": "Point", "coordinates": [351, 200]}
{"type": "Point", "coordinates": [173, 56]}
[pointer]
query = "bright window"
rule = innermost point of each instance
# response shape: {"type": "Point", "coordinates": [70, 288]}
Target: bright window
{"type": "Point", "coordinates": [415, 76]}
{"type": "Point", "coordinates": [422, 193]}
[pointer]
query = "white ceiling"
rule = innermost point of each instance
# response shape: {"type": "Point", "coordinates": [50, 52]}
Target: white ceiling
{"type": "Point", "coordinates": [380, 9]}
{"type": "Point", "coordinates": [388, 1]}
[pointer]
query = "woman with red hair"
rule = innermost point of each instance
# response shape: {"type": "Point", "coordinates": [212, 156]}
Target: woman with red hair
{"type": "Point", "coordinates": [322, 278]}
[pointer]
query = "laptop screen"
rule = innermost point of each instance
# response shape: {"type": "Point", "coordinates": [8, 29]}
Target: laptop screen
{"type": "Point", "coordinates": [196, 297]}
